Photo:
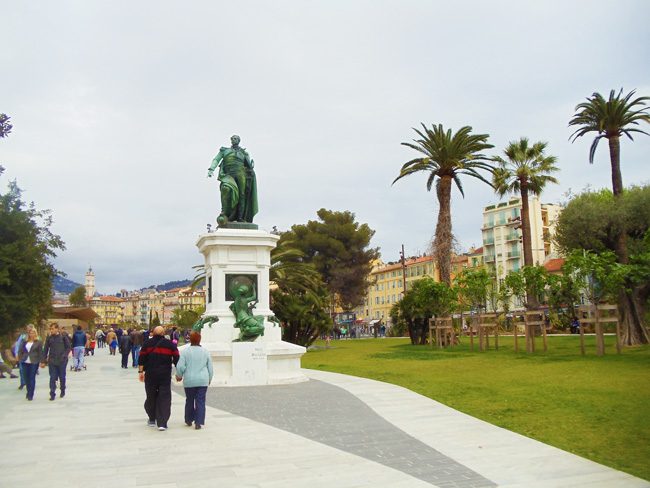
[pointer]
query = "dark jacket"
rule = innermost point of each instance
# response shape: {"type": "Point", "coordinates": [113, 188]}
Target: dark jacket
{"type": "Point", "coordinates": [125, 344]}
{"type": "Point", "coordinates": [137, 338]}
{"type": "Point", "coordinates": [35, 353]}
{"type": "Point", "coordinates": [79, 338]}
{"type": "Point", "coordinates": [56, 349]}
{"type": "Point", "coordinates": [158, 354]}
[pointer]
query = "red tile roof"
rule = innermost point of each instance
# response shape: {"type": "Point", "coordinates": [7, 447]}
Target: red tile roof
{"type": "Point", "coordinates": [554, 265]}
{"type": "Point", "coordinates": [110, 298]}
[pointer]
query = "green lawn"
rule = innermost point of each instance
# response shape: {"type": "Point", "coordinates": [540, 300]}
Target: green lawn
{"type": "Point", "coordinates": [596, 407]}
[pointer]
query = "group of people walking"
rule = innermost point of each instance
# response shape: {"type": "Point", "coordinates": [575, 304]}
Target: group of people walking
{"type": "Point", "coordinates": [153, 356]}
{"type": "Point", "coordinates": [29, 352]}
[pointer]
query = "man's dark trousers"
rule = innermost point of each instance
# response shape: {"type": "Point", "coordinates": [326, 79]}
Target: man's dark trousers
{"type": "Point", "coordinates": [57, 372]}
{"type": "Point", "coordinates": [158, 404]}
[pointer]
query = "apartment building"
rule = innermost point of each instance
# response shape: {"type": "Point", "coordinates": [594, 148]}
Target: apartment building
{"type": "Point", "coordinates": [388, 285]}
{"type": "Point", "coordinates": [108, 308]}
{"type": "Point", "coordinates": [502, 246]}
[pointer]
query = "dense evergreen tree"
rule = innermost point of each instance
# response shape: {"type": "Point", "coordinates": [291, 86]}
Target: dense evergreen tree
{"type": "Point", "coordinates": [26, 247]}
{"type": "Point", "coordinates": [338, 248]}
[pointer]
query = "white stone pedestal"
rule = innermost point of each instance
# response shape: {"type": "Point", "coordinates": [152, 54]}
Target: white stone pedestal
{"type": "Point", "coordinates": [268, 360]}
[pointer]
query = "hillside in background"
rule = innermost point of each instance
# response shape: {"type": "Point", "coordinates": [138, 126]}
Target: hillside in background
{"type": "Point", "coordinates": [64, 285]}
{"type": "Point", "coordinates": [170, 285]}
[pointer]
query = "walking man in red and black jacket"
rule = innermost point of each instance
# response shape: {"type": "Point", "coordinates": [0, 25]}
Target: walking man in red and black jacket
{"type": "Point", "coordinates": [155, 369]}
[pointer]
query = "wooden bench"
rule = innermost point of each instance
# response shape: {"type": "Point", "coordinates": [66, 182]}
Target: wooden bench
{"type": "Point", "coordinates": [599, 315]}
{"type": "Point", "coordinates": [445, 334]}
{"type": "Point", "coordinates": [533, 319]}
{"type": "Point", "coordinates": [488, 324]}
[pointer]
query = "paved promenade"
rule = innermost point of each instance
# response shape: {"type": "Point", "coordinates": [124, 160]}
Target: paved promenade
{"type": "Point", "coordinates": [333, 431]}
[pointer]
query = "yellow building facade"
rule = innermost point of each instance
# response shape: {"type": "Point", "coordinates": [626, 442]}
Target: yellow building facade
{"type": "Point", "coordinates": [387, 288]}
{"type": "Point", "coordinates": [109, 310]}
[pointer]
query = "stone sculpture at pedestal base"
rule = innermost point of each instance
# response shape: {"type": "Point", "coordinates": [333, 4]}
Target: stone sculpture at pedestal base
{"type": "Point", "coordinates": [235, 256]}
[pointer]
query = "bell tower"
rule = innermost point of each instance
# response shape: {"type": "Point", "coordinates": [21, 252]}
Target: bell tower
{"type": "Point", "coordinates": [90, 282]}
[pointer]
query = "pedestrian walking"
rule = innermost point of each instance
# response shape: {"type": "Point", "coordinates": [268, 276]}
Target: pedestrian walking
{"type": "Point", "coordinates": [195, 369]}
{"type": "Point", "coordinates": [31, 355]}
{"type": "Point", "coordinates": [125, 349]}
{"type": "Point", "coordinates": [137, 339]}
{"type": "Point", "coordinates": [111, 340]}
{"type": "Point", "coordinates": [55, 354]}
{"type": "Point", "coordinates": [78, 348]}
{"type": "Point", "coordinates": [155, 370]}
{"type": "Point", "coordinates": [99, 337]}
{"type": "Point", "coordinates": [17, 351]}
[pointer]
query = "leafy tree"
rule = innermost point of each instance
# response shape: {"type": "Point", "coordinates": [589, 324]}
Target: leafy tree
{"type": "Point", "coordinates": [399, 327]}
{"type": "Point", "coordinates": [26, 247]}
{"type": "Point", "coordinates": [602, 277]}
{"type": "Point", "coordinates": [425, 299]}
{"type": "Point", "coordinates": [338, 248]}
{"type": "Point", "coordinates": [302, 314]}
{"type": "Point", "coordinates": [529, 281]}
{"type": "Point", "coordinates": [474, 285]}
{"type": "Point", "coordinates": [78, 297]}
{"type": "Point", "coordinates": [592, 222]}
{"type": "Point", "coordinates": [525, 170]}
{"type": "Point", "coordinates": [563, 293]}
{"type": "Point", "coordinates": [184, 318]}
{"type": "Point", "coordinates": [5, 126]}
{"type": "Point", "coordinates": [446, 157]}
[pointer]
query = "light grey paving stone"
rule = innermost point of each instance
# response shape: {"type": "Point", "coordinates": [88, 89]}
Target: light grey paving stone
{"type": "Point", "coordinates": [101, 425]}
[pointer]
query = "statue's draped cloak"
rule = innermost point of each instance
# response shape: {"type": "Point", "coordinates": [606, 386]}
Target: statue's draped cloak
{"type": "Point", "coordinates": [249, 200]}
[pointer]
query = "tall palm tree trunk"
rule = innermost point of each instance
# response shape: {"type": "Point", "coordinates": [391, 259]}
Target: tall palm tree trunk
{"type": "Point", "coordinates": [531, 299]}
{"type": "Point", "coordinates": [442, 241]}
{"type": "Point", "coordinates": [615, 160]}
{"type": "Point", "coordinates": [629, 308]}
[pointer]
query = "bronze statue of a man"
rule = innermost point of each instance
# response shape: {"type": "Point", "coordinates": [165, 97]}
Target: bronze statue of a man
{"type": "Point", "coordinates": [238, 183]}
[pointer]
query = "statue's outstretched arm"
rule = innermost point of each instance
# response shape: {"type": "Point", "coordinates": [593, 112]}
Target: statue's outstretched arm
{"type": "Point", "coordinates": [215, 162]}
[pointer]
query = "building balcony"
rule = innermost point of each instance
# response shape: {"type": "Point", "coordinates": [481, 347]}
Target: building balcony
{"type": "Point", "coordinates": [489, 258]}
{"type": "Point", "coordinates": [513, 236]}
{"type": "Point", "coordinates": [514, 254]}
{"type": "Point", "coordinates": [488, 242]}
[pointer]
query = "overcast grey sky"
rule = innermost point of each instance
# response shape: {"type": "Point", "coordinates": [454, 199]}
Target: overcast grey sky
{"type": "Point", "coordinates": [119, 107]}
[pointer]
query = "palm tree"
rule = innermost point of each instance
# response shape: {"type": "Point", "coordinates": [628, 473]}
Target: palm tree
{"type": "Point", "coordinates": [446, 157]}
{"type": "Point", "coordinates": [611, 119]}
{"type": "Point", "coordinates": [525, 170]}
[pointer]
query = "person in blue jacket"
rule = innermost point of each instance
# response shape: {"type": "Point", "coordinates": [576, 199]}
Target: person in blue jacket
{"type": "Point", "coordinates": [195, 369]}
{"type": "Point", "coordinates": [78, 347]}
